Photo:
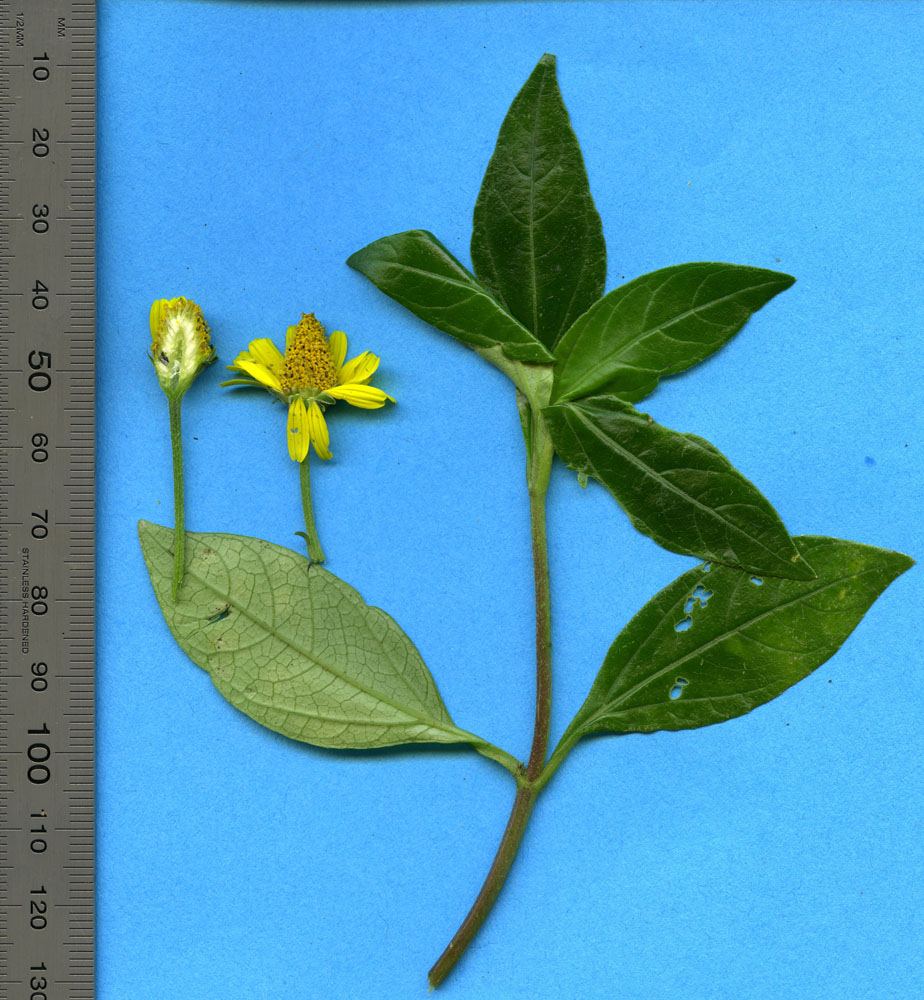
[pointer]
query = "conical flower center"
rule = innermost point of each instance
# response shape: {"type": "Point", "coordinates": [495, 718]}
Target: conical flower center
{"type": "Point", "coordinates": [308, 364]}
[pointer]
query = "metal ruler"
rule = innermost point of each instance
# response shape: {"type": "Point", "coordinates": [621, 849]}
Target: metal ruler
{"type": "Point", "coordinates": [47, 317]}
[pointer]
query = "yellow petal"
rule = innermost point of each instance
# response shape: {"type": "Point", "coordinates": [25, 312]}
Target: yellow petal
{"type": "Point", "coordinates": [260, 372]}
{"type": "Point", "coordinates": [337, 345]}
{"type": "Point", "coordinates": [365, 396]}
{"type": "Point", "coordinates": [360, 369]}
{"type": "Point", "coordinates": [298, 433]}
{"type": "Point", "coordinates": [318, 425]}
{"type": "Point", "coordinates": [236, 365]}
{"type": "Point", "coordinates": [266, 353]}
{"type": "Point", "coordinates": [157, 315]}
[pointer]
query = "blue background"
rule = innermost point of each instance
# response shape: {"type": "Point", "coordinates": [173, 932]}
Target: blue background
{"type": "Point", "coordinates": [245, 151]}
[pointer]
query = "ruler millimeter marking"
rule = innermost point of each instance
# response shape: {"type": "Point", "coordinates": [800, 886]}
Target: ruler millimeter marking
{"type": "Point", "coordinates": [47, 457]}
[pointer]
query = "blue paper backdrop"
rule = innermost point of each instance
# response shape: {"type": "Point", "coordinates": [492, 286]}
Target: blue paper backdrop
{"type": "Point", "coordinates": [245, 151]}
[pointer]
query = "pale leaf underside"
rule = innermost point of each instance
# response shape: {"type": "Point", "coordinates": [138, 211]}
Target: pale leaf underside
{"type": "Point", "coordinates": [293, 646]}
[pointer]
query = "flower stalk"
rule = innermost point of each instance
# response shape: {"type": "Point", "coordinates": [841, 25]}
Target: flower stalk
{"type": "Point", "coordinates": [310, 534]}
{"type": "Point", "coordinates": [180, 349]}
{"type": "Point", "coordinates": [179, 528]}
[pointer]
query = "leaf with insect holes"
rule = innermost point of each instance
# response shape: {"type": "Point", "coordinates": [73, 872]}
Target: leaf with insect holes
{"type": "Point", "coordinates": [294, 647]}
{"type": "Point", "coordinates": [714, 645]}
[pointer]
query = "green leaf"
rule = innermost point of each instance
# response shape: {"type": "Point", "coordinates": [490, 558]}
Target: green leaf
{"type": "Point", "coordinates": [294, 647]}
{"type": "Point", "coordinates": [537, 242]}
{"type": "Point", "coordinates": [713, 645]}
{"type": "Point", "coordinates": [415, 269]}
{"type": "Point", "coordinates": [659, 324]}
{"type": "Point", "coordinates": [677, 488]}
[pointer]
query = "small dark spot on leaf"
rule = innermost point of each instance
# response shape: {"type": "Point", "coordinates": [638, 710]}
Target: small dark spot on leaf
{"type": "Point", "coordinates": [219, 616]}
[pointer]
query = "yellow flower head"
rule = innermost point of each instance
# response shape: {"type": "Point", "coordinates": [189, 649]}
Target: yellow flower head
{"type": "Point", "coordinates": [310, 376]}
{"type": "Point", "coordinates": [180, 345]}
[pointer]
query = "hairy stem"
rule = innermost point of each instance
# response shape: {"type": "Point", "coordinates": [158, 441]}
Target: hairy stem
{"type": "Point", "coordinates": [538, 480]}
{"type": "Point", "coordinates": [503, 860]}
{"type": "Point", "coordinates": [179, 526]}
{"type": "Point", "coordinates": [555, 761]}
{"type": "Point", "coordinates": [538, 468]}
{"type": "Point", "coordinates": [310, 534]}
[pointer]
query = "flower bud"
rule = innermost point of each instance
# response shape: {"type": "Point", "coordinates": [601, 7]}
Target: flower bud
{"type": "Point", "coordinates": [180, 345]}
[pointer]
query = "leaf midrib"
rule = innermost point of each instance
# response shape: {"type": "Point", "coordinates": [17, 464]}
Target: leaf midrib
{"type": "Point", "coordinates": [534, 281]}
{"type": "Point", "coordinates": [613, 356]}
{"type": "Point", "coordinates": [311, 656]}
{"type": "Point", "coordinates": [633, 460]}
{"type": "Point", "coordinates": [473, 288]}
{"type": "Point", "coordinates": [608, 707]}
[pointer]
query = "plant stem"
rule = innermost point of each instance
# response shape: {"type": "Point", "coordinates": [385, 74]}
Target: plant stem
{"type": "Point", "coordinates": [538, 481]}
{"type": "Point", "coordinates": [538, 468]}
{"type": "Point", "coordinates": [179, 526]}
{"type": "Point", "coordinates": [506, 852]}
{"type": "Point", "coordinates": [315, 552]}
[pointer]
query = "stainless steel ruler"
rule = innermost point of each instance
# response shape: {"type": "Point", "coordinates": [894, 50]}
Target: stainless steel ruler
{"type": "Point", "coordinates": [47, 319]}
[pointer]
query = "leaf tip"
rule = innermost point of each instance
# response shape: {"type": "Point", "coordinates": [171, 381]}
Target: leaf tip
{"type": "Point", "coordinates": [904, 562]}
